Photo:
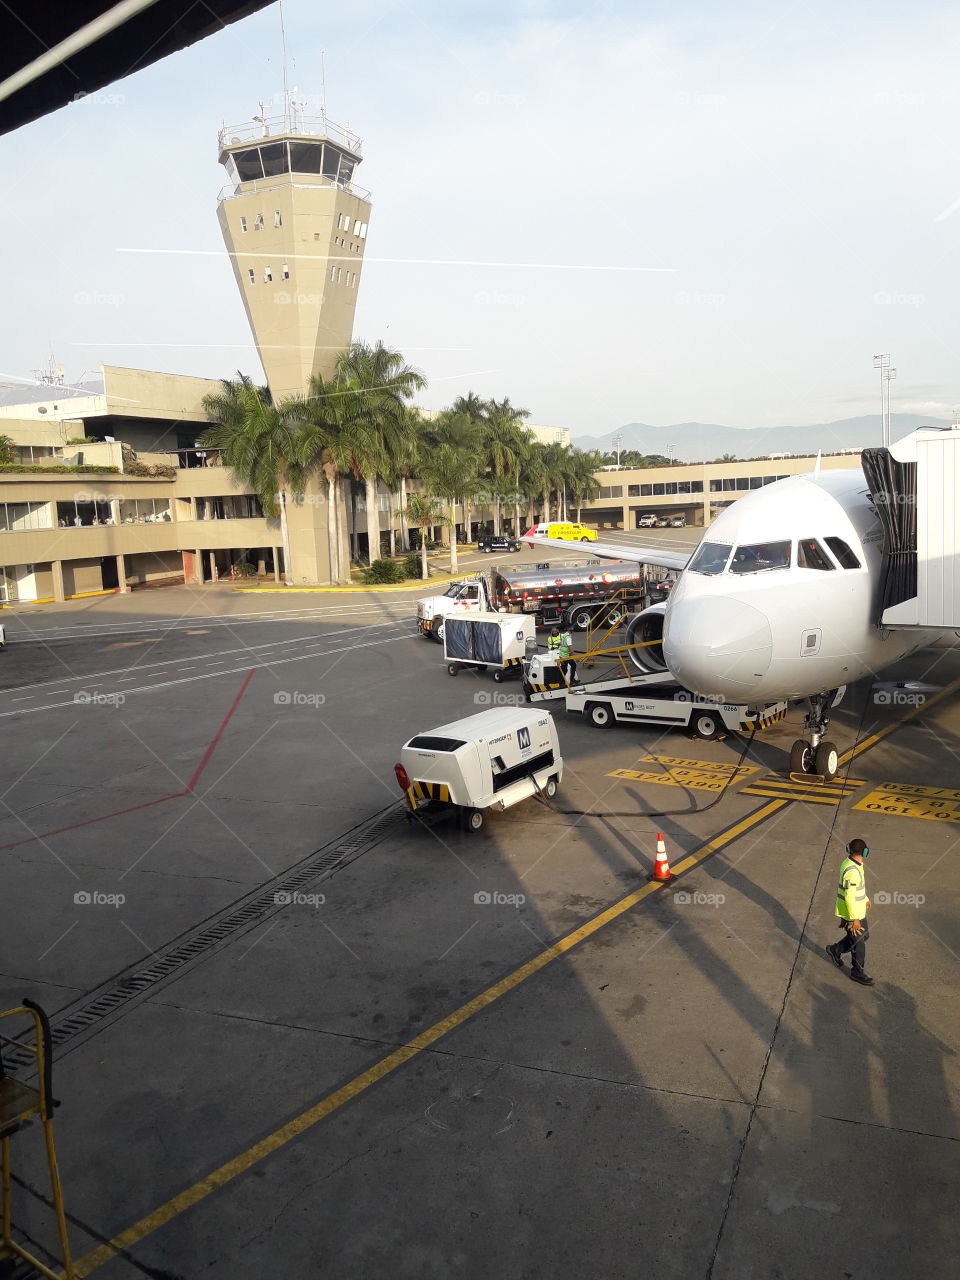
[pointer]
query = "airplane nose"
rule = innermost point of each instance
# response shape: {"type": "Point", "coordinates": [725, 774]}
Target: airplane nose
{"type": "Point", "coordinates": [717, 646]}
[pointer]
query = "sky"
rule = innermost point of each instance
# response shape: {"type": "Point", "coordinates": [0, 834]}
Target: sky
{"type": "Point", "coordinates": [653, 212]}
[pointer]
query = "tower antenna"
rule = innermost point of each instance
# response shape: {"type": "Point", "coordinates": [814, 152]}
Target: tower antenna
{"type": "Point", "coordinates": [323, 86]}
{"type": "Point", "coordinates": [283, 47]}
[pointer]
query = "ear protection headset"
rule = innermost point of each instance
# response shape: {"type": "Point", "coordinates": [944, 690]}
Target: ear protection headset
{"type": "Point", "coordinates": [864, 852]}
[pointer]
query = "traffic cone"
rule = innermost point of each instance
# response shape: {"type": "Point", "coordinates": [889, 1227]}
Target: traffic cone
{"type": "Point", "coordinates": [661, 868]}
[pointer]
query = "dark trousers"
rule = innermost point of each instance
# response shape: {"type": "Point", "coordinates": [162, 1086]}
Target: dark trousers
{"type": "Point", "coordinates": [856, 944]}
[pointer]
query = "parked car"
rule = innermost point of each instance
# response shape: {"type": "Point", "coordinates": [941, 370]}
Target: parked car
{"type": "Point", "coordinates": [647, 521]}
{"type": "Point", "coordinates": [567, 531]}
{"type": "Point", "coordinates": [663, 523]}
{"type": "Point", "coordinates": [497, 542]}
{"type": "Point", "coordinates": [678, 522]}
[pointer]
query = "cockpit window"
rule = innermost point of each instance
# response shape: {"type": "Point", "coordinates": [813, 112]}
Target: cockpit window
{"type": "Point", "coordinates": [843, 553]}
{"type": "Point", "coordinates": [761, 556]}
{"type": "Point", "coordinates": [810, 555]}
{"type": "Point", "coordinates": [711, 558]}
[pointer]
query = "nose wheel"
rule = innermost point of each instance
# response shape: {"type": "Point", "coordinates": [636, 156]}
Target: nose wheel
{"type": "Point", "coordinates": [815, 755]}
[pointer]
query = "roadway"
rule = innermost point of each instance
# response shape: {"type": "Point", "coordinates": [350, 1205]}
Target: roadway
{"type": "Point", "coordinates": [339, 1058]}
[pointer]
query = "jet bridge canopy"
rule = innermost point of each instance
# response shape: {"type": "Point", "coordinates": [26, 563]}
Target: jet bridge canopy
{"type": "Point", "coordinates": [915, 486]}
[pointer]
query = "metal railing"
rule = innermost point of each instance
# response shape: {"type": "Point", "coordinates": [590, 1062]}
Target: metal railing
{"type": "Point", "coordinates": [272, 184]}
{"type": "Point", "coordinates": [294, 122]}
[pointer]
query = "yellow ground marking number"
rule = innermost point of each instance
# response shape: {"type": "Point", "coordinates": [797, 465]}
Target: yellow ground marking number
{"type": "Point", "coordinates": [697, 775]}
{"type": "Point", "coordinates": [904, 800]}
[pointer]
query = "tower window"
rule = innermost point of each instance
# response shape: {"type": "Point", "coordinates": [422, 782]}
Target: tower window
{"type": "Point", "coordinates": [258, 222]}
{"type": "Point", "coordinates": [252, 276]}
{"type": "Point", "coordinates": [363, 231]}
{"type": "Point", "coordinates": [339, 274]}
{"type": "Point", "coordinates": [316, 235]}
{"type": "Point", "coordinates": [285, 272]}
{"type": "Point", "coordinates": [356, 227]}
{"type": "Point", "coordinates": [267, 275]}
{"type": "Point", "coordinates": [243, 224]}
{"type": "Point", "coordinates": [277, 218]}
{"type": "Point", "coordinates": [333, 273]}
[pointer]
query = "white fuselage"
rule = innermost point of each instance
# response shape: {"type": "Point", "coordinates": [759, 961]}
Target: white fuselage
{"type": "Point", "coordinates": [759, 634]}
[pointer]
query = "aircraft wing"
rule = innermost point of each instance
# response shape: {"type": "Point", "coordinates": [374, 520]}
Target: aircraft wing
{"type": "Point", "coordinates": [653, 554]}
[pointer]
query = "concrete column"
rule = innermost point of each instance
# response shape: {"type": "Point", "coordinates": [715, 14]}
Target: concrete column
{"type": "Point", "coordinates": [276, 564]}
{"type": "Point", "coordinates": [214, 576]}
{"type": "Point", "coordinates": [626, 515]}
{"type": "Point", "coordinates": [122, 576]}
{"type": "Point", "coordinates": [56, 567]}
{"type": "Point", "coordinates": [115, 510]}
{"type": "Point", "coordinates": [261, 563]}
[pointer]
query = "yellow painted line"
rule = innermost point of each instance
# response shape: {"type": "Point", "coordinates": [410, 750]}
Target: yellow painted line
{"type": "Point", "coordinates": [874, 738]}
{"type": "Point", "coordinates": [413, 586]}
{"type": "Point", "coordinates": [359, 1084]}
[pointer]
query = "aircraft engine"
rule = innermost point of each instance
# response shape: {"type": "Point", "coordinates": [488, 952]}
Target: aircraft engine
{"type": "Point", "coordinates": [643, 628]}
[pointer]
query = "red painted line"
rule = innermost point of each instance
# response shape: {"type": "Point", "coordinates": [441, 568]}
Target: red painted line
{"type": "Point", "coordinates": [148, 804]}
{"type": "Point", "coordinates": [219, 734]}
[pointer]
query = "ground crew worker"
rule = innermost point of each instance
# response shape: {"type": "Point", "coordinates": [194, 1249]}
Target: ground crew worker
{"type": "Point", "coordinates": [852, 907]}
{"type": "Point", "coordinates": [559, 644]}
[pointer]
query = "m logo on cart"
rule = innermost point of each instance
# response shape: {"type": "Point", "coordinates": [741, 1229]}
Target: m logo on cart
{"type": "Point", "coordinates": [523, 739]}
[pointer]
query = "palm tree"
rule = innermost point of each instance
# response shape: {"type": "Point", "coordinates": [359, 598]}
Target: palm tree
{"type": "Point", "coordinates": [456, 430]}
{"type": "Point", "coordinates": [259, 440]}
{"type": "Point", "coordinates": [380, 384]}
{"type": "Point", "coordinates": [424, 512]}
{"type": "Point", "coordinates": [504, 440]}
{"type": "Point", "coordinates": [324, 446]}
{"type": "Point", "coordinates": [583, 483]}
{"type": "Point", "coordinates": [450, 473]}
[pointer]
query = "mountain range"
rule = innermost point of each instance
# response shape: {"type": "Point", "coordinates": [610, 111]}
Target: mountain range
{"type": "Point", "coordinates": [702, 441]}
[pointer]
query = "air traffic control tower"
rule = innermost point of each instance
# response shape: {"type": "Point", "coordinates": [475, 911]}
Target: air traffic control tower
{"type": "Point", "coordinates": [295, 227]}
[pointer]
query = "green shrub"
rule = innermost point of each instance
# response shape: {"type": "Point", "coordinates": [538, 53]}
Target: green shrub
{"type": "Point", "coordinates": [59, 469]}
{"type": "Point", "coordinates": [411, 565]}
{"type": "Point", "coordinates": [385, 571]}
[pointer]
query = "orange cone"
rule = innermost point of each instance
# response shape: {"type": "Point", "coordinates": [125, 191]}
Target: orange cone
{"type": "Point", "coordinates": [661, 868]}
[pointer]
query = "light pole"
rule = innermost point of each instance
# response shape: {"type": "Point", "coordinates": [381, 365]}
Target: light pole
{"type": "Point", "coordinates": [887, 374]}
{"type": "Point", "coordinates": [617, 445]}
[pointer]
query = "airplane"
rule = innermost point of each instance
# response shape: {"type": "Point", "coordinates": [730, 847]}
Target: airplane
{"type": "Point", "coordinates": [778, 601]}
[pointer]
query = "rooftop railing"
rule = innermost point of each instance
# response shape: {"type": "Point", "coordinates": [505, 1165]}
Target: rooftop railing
{"type": "Point", "coordinates": [292, 122]}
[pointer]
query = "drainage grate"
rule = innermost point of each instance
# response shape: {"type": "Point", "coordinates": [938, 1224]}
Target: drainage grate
{"type": "Point", "coordinates": [121, 992]}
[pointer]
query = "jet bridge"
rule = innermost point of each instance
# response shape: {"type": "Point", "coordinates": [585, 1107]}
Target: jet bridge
{"type": "Point", "coordinates": [915, 487]}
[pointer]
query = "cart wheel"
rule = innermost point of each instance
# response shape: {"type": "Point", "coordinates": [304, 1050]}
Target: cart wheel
{"type": "Point", "coordinates": [453, 669]}
{"type": "Point", "coordinates": [551, 788]}
{"type": "Point", "coordinates": [498, 675]}
{"type": "Point", "coordinates": [706, 725]}
{"type": "Point", "coordinates": [471, 819]}
{"type": "Point", "coordinates": [600, 714]}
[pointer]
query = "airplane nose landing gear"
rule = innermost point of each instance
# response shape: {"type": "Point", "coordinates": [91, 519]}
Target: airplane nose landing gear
{"type": "Point", "coordinates": [815, 755]}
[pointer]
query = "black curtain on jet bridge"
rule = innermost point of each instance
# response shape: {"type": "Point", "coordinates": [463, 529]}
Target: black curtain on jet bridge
{"type": "Point", "coordinates": [893, 491]}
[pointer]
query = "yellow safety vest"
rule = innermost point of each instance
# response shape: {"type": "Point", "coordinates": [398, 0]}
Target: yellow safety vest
{"type": "Point", "coordinates": [560, 643]}
{"type": "Point", "coordinates": [851, 891]}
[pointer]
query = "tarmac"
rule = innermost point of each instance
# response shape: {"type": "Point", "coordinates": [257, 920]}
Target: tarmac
{"type": "Point", "coordinates": [298, 1036]}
